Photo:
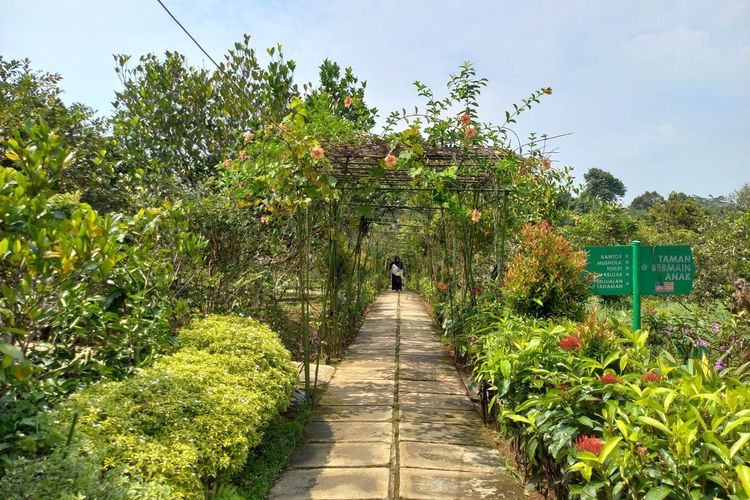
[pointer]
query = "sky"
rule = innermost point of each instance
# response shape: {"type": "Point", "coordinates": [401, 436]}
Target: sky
{"type": "Point", "coordinates": [655, 92]}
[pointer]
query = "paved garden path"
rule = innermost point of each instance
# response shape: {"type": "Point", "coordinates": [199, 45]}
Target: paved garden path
{"type": "Point", "coordinates": [395, 421]}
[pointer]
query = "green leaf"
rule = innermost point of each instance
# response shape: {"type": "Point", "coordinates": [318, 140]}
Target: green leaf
{"type": "Point", "coordinates": [657, 493]}
{"type": "Point", "coordinates": [742, 441]}
{"type": "Point", "coordinates": [652, 422]}
{"type": "Point", "coordinates": [609, 446]}
{"type": "Point", "coordinates": [11, 350]}
{"type": "Point", "coordinates": [729, 428]}
{"type": "Point", "coordinates": [743, 471]}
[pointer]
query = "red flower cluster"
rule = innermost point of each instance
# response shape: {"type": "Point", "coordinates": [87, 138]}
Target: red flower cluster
{"type": "Point", "coordinates": [442, 287]}
{"type": "Point", "coordinates": [590, 443]}
{"type": "Point", "coordinates": [651, 377]}
{"type": "Point", "coordinates": [571, 342]}
{"type": "Point", "coordinates": [609, 378]}
{"type": "Point", "coordinates": [477, 290]}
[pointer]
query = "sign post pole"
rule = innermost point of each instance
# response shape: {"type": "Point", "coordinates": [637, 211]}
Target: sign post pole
{"type": "Point", "coordinates": [636, 285]}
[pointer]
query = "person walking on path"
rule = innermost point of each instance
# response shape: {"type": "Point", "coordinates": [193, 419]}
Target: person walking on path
{"type": "Point", "coordinates": [396, 267]}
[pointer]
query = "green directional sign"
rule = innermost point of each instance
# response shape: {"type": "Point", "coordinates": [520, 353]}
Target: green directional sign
{"type": "Point", "coordinates": [666, 270]}
{"type": "Point", "coordinates": [637, 270]}
{"type": "Point", "coordinates": [612, 268]}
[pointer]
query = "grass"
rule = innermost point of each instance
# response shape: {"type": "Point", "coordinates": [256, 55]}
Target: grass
{"type": "Point", "coordinates": [267, 460]}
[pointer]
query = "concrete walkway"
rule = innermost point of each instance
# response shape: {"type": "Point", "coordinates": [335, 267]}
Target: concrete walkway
{"type": "Point", "coordinates": [395, 421]}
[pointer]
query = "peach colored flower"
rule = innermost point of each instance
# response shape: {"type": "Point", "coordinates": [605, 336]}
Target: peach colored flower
{"type": "Point", "coordinates": [248, 136]}
{"type": "Point", "coordinates": [547, 90]}
{"type": "Point", "coordinates": [317, 152]}
{"type": "Point", "coordinates": [475, 215]}
{"type": "Point", "coordinates": [348, 101]}
{"type": "Point", "coordinates": [546, 164]}
{"type": "Point", "coordinates": [243, 156]}
{"type": "Point", "coordinates": [465, 119]}
{"type": "Point", "coordinates": [442, 287]}
{"type": "Point", "coordinates": [471, 132]}
{"type": "Point", "coordinates": [264, 219]}
{"type": "Point", "coordinates": [227, 163]}
{"type": "Point", "coordinates": [390, 160]}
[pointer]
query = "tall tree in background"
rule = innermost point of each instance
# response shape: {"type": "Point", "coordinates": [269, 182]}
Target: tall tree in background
{"type": "Point", "coordinates": [643, 202]}
{"type": "Point", "coordinates": [603, 186]}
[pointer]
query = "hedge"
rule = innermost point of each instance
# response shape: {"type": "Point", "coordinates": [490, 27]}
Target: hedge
{"type": "Point", "coordinates": [189, 420]}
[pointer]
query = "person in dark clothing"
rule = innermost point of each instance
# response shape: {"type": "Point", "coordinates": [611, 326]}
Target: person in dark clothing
{"type": "Point", "coordinates": [396, 268]}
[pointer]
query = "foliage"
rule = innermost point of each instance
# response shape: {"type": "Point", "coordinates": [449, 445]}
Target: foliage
{"type": "Point", "coordinates": [267, 459]}
{"type": "Point", "coordinates": [72, 474]}
{"type": "Point", "coordinates": [603, 186]}
{"type": "Point", "coordinates": [644, 202]}
{"type": "Point", "coordinates": [28, 94]}
{"type": "Point", "coordinates": [176, 429]}
{"type": "Point", "coordinates": [174, 124]}
{"type": "Point", "coordinates": [545, 277]}
{"type": "Point", "coordinates": [604, 224]}
{"type": "Point", "coordinates": [83, 295]}
{"type": "Point", "coordinates": [651, 424]}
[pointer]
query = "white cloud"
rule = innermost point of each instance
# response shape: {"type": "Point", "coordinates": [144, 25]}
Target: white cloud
{"type": "Point", "coordinates": [680, 45]}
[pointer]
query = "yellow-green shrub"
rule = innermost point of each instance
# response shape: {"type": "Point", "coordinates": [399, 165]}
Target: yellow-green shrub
{"type": "Point", "coordinates": [192, 417]}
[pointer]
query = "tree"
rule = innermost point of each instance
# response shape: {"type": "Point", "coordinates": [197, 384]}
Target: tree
{"type": "Point", "coordinates": [645, 201]}
{"type": "Point", "coordinates": [603, 186]}
{"type": "Point", "coordinates": [26, 94]}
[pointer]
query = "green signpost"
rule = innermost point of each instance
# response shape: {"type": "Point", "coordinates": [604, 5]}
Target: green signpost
{"type": "Point", "coordinates": [641, 270]}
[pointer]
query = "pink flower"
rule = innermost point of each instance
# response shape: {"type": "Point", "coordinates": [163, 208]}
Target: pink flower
{"type": "Point", "coordinates": [317, 152]}
{"type": "Point", "coordinates": [571, 342]}
{"type": "Point", "coordinates": [390, 160]}
{"type": "Point", "coordinates": [227, 163]}
{"type": "Point", "coordinates": [547, 90]}
{"type": "Point", "coordinates": [264, 219]}
{"type": "Point", "coordinates": [546, 164]}
{"type": "Point", "coordinates": [475, 215]}
{"type": "Point", "coordinates": [471, 132]}
{"type": "Point", "coordinates": [590, 443]}
{"type": "Point", "coordinates": [348, 101]}
{"type": "Point", "coordinates": [608, 378]}
{"type": "Point", "coordinates": [248, 136]}
{"type": "Point", "coordinates": [465, 119]}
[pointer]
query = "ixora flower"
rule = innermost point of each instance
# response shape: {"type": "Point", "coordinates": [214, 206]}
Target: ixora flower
{"type": "Point", "coordinates": [471, 132]}
{"type": "Point", "coordinates": [348, 101]}
{"type": "Point", "coordinates": [570, 342]}
{"type": "Point", "coordinates": [227, 163]}
{"type": "Point", "coordinates": [390, 160]}
{"type": "Point", "coordinates": [465, 119]}
{"type": "Point", "coordinates": [243, 156]}
{"type": "Point", "coordinates": [546, 164]}
{"type": "Point", "coordinates": [590, 443]}
{"type": "Point", "coordinates": [442, 287]}
{"type": "Point", "coordinates": [264, 219]}
{"type": "Point", "coordinates": [248, 136]}
{"type": "Point", "coordinates": [475, 215]}
{"type": "Point", "coordinates": [651, 377]}
{"type": "Point", "coordinates": [547, 90]}
{"type": "Point", "coordinates": [317, 152]}
{"type": "Point", "coordinates": [609, 378]}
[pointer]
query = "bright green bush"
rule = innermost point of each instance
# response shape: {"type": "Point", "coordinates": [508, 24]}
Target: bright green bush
{"type": "Point", "coordinates": [189, 420]}
{"type": "Point", "coordinates": [73, 476]}
{"type": "Point", "coordinates": [546, 276]}
{"type": "Point", "coordinates": [624, 425]}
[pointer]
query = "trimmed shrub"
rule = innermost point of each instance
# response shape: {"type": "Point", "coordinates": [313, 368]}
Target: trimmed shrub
{"type": "Point", "coordinates": [546, 277]}
{"type": "Point", "coordinates": [191, 419]}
